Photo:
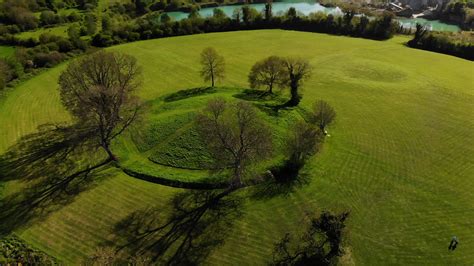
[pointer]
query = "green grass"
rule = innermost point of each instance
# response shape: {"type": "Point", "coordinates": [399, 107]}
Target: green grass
{"type": "Point", "coordinates": [399, 156]}
{"type": "Point", "coordinates": [168, 135]}
{"type": "Point", "coordinates": [186, 150]}
{"type": "Point", "coordinates": [6, 51]}
{"type": "Point", "coordinates": [56, 30]}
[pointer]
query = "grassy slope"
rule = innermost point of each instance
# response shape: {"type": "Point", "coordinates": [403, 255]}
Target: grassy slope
{"type": "Point", "coordinates": [166, 138]}
{"type": "Point", "coordinates": [400, 154]}
{"type": "Point", "coordinates": [57, 30]}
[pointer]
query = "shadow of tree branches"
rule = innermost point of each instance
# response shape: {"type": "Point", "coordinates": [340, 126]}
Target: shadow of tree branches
{"type": "Point", "coordinates": [53, 166]}
{"type": "Point", "coordinates": [198, 224]}
{"type": "Point", "coordinates": [53, 150]}
{"type": "Point", "coordinates": [272, 188]}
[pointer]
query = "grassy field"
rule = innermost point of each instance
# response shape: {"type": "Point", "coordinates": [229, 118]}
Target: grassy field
{"type": "Point", "coordinates": [399, 156]}
{"type": "Point", "coordinates": [57, 30]}
{"type": "Point", "coordinates": [6, 51]}
{"type": "Point", "coordinates": [167, 135]}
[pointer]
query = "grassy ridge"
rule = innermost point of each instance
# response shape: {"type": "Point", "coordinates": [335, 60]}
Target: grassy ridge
{"type": "Point", "coordinates": [399, 156]}
{"type": "Point", "coordinates": [168, 134]}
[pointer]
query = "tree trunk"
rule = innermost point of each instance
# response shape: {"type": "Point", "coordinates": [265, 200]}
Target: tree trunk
{"type": "Point", "coordinates": [212, 80]}
{"type": "Point", "coordinates": [295, 98]}
{"type": "Point", "coordinates": [237, 182]}
{"type": "Point", "coordinates": [270, 89]}
{"type": "Point", "coordinates": [109, 152]}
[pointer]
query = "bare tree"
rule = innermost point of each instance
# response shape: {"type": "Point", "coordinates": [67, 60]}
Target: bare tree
{"type": "Point", "coordinates": [321, 244]}
{"type": "Point", "coordinates": [268, 72]}
{"type": "Point", "coordinates": [213, 65]}
{"type": "Point", "coordinates": [98, 90]}
{"type": "Point", "coordinates": [235, 135]}
{"type": "Point", "coordinates": [298, 70]}
{"type": "Point", "coordinates": [323, 114]}
{"type": "Point", "coordinates": [303, 141]}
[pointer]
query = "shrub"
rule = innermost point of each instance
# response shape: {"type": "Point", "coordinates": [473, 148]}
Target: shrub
{"type": "Point", "coordinates": [102, 40]}
{"type": "Point", "coordinates": [65, 46]}
{"type": "Point", "coordinates": [48, 59]}
{"type": "Point", "coordinates": [49, 18]}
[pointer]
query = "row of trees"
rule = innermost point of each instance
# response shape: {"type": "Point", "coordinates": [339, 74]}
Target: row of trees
{"type": "Point", "coordinates": [442, 42]}
{"type": "Point", "coordinates": [270, 72]}
{"type": "Point", "coordinates": [154, 25]}
{"type": "Point", "coordinates": [120, 25]}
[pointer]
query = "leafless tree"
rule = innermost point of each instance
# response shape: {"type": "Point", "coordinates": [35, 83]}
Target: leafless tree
{"type": "Point", "coordinates": [213, 65]}
{"type": "Point", "coordinates": [98, 90]}
{"type": "Point", "coordinates": [298, 70]}
{"type": "Point", "coordinates": [235, 135]}
{"type": "Point", "coordinates": [303, 140]}
{"type": "Point", "coordinates": [268, 72]}
{"type": "Point", "coordinates": [323, 114]}
{"type": "Point", "coordinates": [320, 244]}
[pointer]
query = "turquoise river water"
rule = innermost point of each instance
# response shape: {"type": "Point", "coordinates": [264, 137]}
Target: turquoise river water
{"type": "Point", "coordinates": [307, 7]}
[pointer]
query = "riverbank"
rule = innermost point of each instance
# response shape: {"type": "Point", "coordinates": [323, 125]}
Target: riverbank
{"type": "Point", "coordinates": [307, 7]}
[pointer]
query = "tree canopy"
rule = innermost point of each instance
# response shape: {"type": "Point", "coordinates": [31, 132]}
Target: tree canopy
{"type": "Point", "coordinates": [268, 72]}
{"type": "Point", "coordinates": [323, 114]}
{"type": "Point", "coordinates": [235, 135]}
{"type": "Point", "coordinates": [98, 90]}
{"type": "Point", "coordinates": [298, 70]}
{"type": "Point", "coordinates": [213, 65]}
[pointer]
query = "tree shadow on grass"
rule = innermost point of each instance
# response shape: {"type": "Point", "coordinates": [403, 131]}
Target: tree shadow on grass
{"type": "Point", "coordinates": [51, 169]}
{"type": "Point", "coordinates": [269, 103]}
{"type": "Point", "coordinates": [275, 108]}
{"type": "Point", "coordinates": [188, 93]}
{"type": "Point", "coordinates": [53, 150]}
{"type": "Point", "coordinates": [282, 182]}
{"type": "Point", "coordinates": [198, 223]}
{"type": "Point", "coordinates": [256, 95]}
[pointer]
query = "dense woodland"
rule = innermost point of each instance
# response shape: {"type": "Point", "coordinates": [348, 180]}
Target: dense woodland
{"type": "Point", "coordinates": [457, 44]}
{"type": "Point", "coordinates": [460, 12]}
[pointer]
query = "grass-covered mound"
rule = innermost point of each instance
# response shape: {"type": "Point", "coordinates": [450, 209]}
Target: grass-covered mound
{"type": "Point", "coordinates": [167, 135]}
{"type": "Point", "coordinates": [399, 156]}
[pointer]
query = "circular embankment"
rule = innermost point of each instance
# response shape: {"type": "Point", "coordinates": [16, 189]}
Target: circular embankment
{"type": "Point", "coordinates": [165, 147]}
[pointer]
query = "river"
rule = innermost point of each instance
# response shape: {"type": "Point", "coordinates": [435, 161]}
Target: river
{"type": "Point", "coordinates": [307, 7]}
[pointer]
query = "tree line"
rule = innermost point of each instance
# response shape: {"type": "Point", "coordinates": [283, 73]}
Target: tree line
{"type": "Point", "coordinates": [157, 25]}
{"type": "Point", "coordinates": [137, 20]}
{"type": "Point", "coordinates": [121, 24]}
{"type": "Point", "coordinates": [446, 43]}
